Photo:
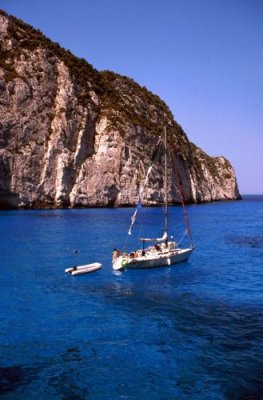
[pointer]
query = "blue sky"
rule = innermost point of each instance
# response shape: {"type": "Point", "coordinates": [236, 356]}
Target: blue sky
{"type": "Point", "coordinates": [204, 58]}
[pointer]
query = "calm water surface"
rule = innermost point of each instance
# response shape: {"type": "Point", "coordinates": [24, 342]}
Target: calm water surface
{"type": "Point", "coordinates": [191, 331]}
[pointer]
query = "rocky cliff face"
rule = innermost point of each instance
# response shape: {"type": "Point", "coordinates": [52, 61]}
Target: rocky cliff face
{"type": "Point", "coordinates": [71, 136]}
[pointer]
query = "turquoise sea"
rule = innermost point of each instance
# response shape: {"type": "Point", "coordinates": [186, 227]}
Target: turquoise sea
{"type": "Point", "coordinates": [191, 331]}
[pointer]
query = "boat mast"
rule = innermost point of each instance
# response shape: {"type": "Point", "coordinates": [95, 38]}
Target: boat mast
{"type": "Point", "coordinates": [165, 187]}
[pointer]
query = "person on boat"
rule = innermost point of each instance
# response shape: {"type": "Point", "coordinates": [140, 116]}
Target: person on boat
{"type": "Point", "coordinates": [115, 254]}
{"type": "Point", "coordinates": [172, 245]}
{"type": "Point", "coordinates": [157, 247]}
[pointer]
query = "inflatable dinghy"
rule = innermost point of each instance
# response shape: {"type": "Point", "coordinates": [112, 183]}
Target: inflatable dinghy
{"type": "Point", "coordinates": [83, 269]}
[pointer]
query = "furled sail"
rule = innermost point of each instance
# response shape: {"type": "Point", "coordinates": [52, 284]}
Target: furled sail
{"type": "Point", "coordinates": [158, 240]}
{"type": "Point", "coordinates": [133, 219]}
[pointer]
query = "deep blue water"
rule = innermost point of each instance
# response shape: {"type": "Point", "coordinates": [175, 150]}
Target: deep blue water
{"type": "Point", "coordinates": [191, 331]}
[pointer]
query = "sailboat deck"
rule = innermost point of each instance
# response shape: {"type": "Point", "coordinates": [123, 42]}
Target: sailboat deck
{"type": "Point", "coordinates": [152, 259]}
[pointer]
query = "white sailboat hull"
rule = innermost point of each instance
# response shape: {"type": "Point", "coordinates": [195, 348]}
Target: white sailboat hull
{"type": "Point", "coordinates": [161, 259]}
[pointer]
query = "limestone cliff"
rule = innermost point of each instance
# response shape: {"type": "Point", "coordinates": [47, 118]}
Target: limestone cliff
{"type": "Point", "coordinates": [71, 136]}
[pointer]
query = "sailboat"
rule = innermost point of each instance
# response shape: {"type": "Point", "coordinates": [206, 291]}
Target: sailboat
{"type": "Point", "coordinates": [156, 252]}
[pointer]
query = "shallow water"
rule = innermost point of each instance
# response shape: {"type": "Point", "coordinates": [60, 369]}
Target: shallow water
{"type": "Point", "coordinates": [191, 331]}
